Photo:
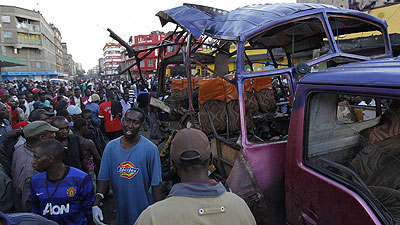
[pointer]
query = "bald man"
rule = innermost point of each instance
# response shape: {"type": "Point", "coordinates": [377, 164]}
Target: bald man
{"type": "Point", "coordinates": [60, 193]}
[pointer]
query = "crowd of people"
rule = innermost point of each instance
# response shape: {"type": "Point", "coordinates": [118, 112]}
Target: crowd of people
{"type": "Point", "coordinates": [64, 145]}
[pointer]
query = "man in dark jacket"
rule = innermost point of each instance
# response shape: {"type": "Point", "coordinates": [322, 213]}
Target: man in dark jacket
{"type": "Point", "coordinates": [94, 133]}
{"type": "Point", "coordinates": [143, 104]}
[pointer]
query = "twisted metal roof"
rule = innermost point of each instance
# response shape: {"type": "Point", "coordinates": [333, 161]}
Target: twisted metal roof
{"type": "Point", "coordinates": [229, 25]}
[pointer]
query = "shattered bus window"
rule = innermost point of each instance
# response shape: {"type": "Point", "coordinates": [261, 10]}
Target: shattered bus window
{"type": "Point", "coordinates": [356, 36]}
{"type": "Point", "coordinates": [356, 139]}
{"type": "Point", "coordinates": [286, 45]}
{"type": "Point", "coordinates": [268, 106]}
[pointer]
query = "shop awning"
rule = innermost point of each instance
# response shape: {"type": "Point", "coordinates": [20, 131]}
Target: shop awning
{"type": "Point", "coordinates": [6, 61]}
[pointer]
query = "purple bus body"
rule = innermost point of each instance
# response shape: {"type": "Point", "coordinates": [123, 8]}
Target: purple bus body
{"type": "Point", "coordinates": [295, 193]}
{"type": "Point", "coordinates": [273, 163]}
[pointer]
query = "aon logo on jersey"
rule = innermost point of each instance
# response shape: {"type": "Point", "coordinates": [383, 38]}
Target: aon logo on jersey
{"type": "Point", "coordinates": [55, 209]}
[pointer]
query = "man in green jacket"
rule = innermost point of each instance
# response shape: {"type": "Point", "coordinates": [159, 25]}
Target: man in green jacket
{"type": "Point", "coordinates": [197, 199]}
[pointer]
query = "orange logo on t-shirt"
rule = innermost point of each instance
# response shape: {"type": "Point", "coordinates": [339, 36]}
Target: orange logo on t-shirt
{"type": "Point", "coordinates": [71, 192]}
{"type": "Point", "coordinates": [127, 170]}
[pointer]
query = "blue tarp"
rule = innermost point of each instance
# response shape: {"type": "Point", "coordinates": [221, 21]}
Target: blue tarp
{"type": "Point", "coordinates": [227, 25]}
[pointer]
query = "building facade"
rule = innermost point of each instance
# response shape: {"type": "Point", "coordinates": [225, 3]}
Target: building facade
{"type": "Point", "coordinates": [112, 58]}
{"type": "Point", "coordinates": [69, 68]}
{"type": "Point", "coordinates": [149, 65]}
{"type": "Point", "coordinates": [94, 71]}
{"type": "Point", "coordinates": [25, 35]}
{"type": "Point", "coordinates": [78, 66]}
{"type": "Point", "coordinates": [58, 47]}
{"type": "Point", "coordinates": [101, 66]}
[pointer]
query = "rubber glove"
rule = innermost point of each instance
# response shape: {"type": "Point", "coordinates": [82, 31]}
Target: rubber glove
{"type": "Point", "coordinates": [97, 215]}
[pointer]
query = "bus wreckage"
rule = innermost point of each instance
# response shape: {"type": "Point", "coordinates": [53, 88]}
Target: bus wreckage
{"type": "Point", "coordinates": [269, 66]}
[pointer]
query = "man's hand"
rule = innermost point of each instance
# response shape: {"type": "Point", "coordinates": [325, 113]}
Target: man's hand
{"type": "Point", "coordinates": [157, 192]}
{"type": "Point", "coordinates": [97, 215]}
{"type": "Point", "coordinates": [14, 133]}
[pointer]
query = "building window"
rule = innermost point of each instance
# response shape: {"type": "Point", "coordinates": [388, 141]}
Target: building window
{"type": "Point", "coordinates": [142, 64]}
{"type": "Point", "coordinates": [170, 48]}
{"type": "Point", "coordinates": [37, 51]}
{"type": "Point", "coordinates": [150, 63]}
{"type": "Point", "coordinates": [5, 19]}
{"type": "Point", "coordinates": [7, 34]}
{"type": "Point", "coordinates": [38, 65]}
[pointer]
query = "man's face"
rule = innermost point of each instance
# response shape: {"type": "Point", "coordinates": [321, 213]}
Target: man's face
{"type": "Point", "coordinates": [42, 97]}
{"type": "Point", "coordinates": [76, 116]}
{"type": "Point", "coordinates": [41, 161]}
{"type": "Point", "coordinates": [131, 123]}
{"type": "Point", "coordinates": [88, 117]}
{"type": "Point", "coordinates": [49, 135]}
{"type": "Point", "coordinates": [44, 117]}
{"type": "Point", "coordinates": [84, 130]}
{"type": "Point", "coordinates": [4, 112]}
{"type": "Point", "coordinates": [21, 99]}
{"type": "Point", "coordinates": [126, 97]}
{"type": "Point", "coordinates": [29, 97]}
{"type": "Point", "coordinates": [77, 93]}
{"type": "Point", "coordinates": [13, 91]}
{"type": "Point", "coordinates": [63, 130]}
{"type": "Point", "coordinates": [12, 103]}
{"type": "Point", "coordinates": [88, 92]}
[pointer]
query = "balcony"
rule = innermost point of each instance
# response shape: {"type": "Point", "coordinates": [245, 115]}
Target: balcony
{"type": "Point", "coordinates": [112, 55]}
{"type": "Point", "coordinates": [111, 60]}
{"type": "Point", "coordinates": [29, 41]}
{"type": "Point", "coordinates": [24, 27]}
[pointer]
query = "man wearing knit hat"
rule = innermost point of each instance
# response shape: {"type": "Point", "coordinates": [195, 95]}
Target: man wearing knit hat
{"type": "Point", "coordinates": [197, 199]}
{"type": "Point", "coordinates": [21, 167]}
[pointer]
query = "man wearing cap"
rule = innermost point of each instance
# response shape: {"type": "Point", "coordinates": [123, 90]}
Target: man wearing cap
{"type": "Point", "coordinates": [61, 96]}
{"type": "Point", "coordinates": [41, 114]}
{"type": "Point", "coordinates": [61, 105]}
{"type": "Point", "coordinates": [74, 111]}
{"type": "Point", "coordinates": [93, 106]}
{"type": "Point", "coordinates": [21, 167]}
{"type": "Point", "coordinates": [197, 199]}
{"type": "Point", "coordinates": [76, 99]}
{"type": "Point", "coordinates": [35, 90]}
{"type": "Point", "coordinates": [132, 164]}
{"type": "Point", "coordinates": [42, 98]}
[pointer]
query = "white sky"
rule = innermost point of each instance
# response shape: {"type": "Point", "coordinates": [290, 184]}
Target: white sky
{"type": "Point", "coordinates": [83, 23]}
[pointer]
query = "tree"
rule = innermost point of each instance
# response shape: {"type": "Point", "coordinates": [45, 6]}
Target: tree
{"type": "Point", "coordinates": [80, 73]}
{"type": "Point", "coordinates": [157, 32]}
{"type": "Point", "coordinates": [119, 69]}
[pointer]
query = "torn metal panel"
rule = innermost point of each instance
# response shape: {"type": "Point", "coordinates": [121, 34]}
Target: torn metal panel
{"type": "Point", "coordinates": [190, 19]}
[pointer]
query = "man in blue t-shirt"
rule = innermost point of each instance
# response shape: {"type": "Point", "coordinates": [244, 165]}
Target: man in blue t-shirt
{"type": "Point", "coordinates": [60, 193]}
{"type": "Point", "coordinates": [132, 164]}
